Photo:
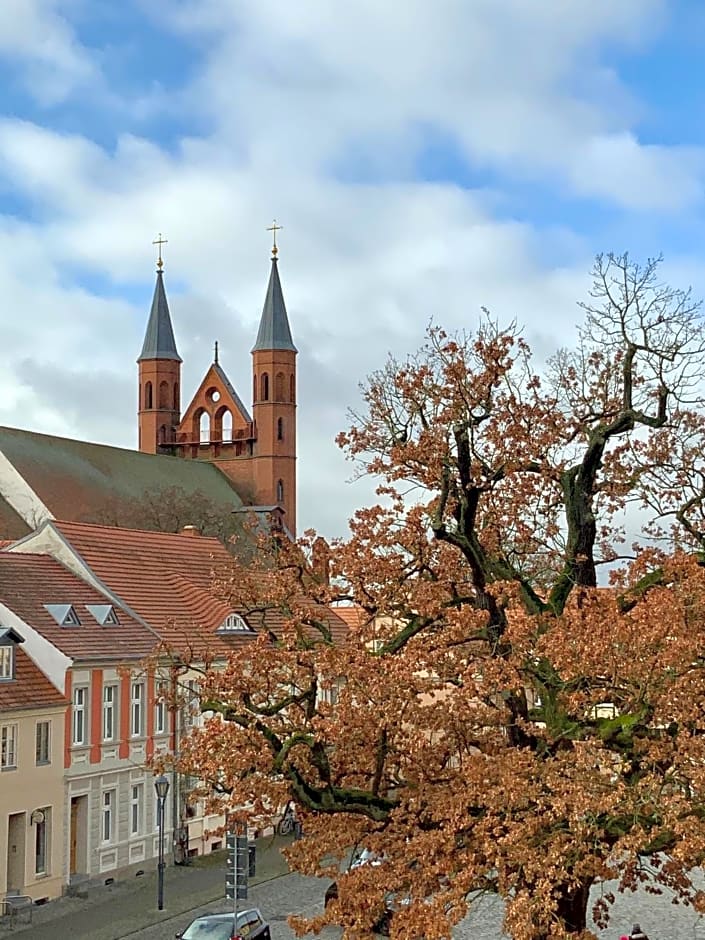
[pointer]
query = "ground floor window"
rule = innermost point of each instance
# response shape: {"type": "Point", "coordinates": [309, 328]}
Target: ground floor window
{"type": "Point", "coordinates": [136, 803]}
{"type": "Point", "coordinates": [108, 821]}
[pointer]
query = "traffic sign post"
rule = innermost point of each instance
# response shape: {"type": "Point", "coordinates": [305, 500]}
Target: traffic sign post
{"type": "Point", "coordinates": [237, 870]}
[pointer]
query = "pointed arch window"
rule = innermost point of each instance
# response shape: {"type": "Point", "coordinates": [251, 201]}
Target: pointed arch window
{"type": "Point", "coordinates": [292, 388]}
{"type": "Point", "coordinates": [205, 428]}
{"type": "Point", "coordinates": [254, 388]}
{"type": "Point", "coordinates": [265, 387]}
{"type": "Point", "coordinates": [280, 429]}
{"type": "Point", "coordinates": [176, 396]}
{"type": "Point", "coordinates": [163, 394]}
{"type": "Point", "coordinates": [280, 491]}
{"type": "Point", "coordinates": [148, 395]}
{"type": "Point", "coordinates": [227, 426]}
{"type": "Point", "coordinates": [162, 434]}
{"type": "Point", "coordinates": [279, 387]}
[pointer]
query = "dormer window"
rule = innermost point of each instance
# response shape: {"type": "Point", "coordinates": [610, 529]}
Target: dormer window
{"type": "Point", "coordinates": [103, 613]}
{"type": "Point", "coordinates": [7, 662]}
{"type": "Point", "coordinates": [64, 614]}
{"type": "Point", "coordinates": [233, 623]}
{"type": "Point", "coordinates": [9, 639]}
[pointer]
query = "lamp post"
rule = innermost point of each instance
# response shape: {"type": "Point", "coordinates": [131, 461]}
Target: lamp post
{"type": "Point", "coordinates": [161, 786]}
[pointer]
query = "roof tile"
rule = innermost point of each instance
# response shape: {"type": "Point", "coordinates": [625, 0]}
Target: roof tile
{"type": "Point", "coordinates": [30, 688]}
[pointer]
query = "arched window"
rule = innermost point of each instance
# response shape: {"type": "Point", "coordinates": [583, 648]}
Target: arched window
{"type": "Point", "coordinates": [279, 387]}
{"type": "Point", "coordinates": [254, 388]}
{"type": "Point", "coordinates": [280, 429]}
{"type": "Point", "coordinates": [162, 434]}
{"type": "Point", "coordinates": [148, 395]}
{"type": "Point", "coordinates": [280, 491]}
{"type": "Point", "coordinates": [163, 394]}
{"type": "Point", "coordinates": [227, 426]}
{"type": "Point", "coordinates": [176, 396]}
{"type": "Point", "coordinates": [205, 428]}
{"type": "Point", "coordinates": [265, 387]}
{"type": "Point", "coordinates": [292, 388]}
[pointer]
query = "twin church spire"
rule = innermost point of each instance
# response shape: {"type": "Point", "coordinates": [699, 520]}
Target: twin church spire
{"type": "Point", "coordinates": [256, 449]}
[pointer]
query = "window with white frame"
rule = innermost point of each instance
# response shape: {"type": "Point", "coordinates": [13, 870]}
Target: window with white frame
{"type": "Point", "coordinates": [8, 747]}
{"type": "Point", "coordinates": [41, 840]}
{"type": "Point", "coordinates": [192, 708]}
{"type": "Point", "coordinates": [108, 816]}
{"type": "Point", "coordinates": [109, 711]}
{"type": "Point", "coordinates": [80, 715]}
{"type": "Point", "coordinates": [233, 623]}
{"type": "Point", "coordinates": [7, 662]}
{"type": "Point", "coordinates": [136, 808]}
{"type": "Point", "coordinates": [137, 709]}
{"type": "Point", "coordinates": [160, 707]}
{"type": "Point", "coordinates": [43, 742]}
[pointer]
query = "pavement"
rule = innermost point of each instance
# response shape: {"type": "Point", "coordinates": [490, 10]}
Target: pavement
{"type": "Point", "coordinates": [112, 912]}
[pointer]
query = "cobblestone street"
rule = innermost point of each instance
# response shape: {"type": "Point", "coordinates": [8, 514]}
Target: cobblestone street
{"type": "Point", "coordinates": [127, 909]}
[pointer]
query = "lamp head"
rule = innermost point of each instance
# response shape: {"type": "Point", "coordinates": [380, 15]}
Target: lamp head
{"type": "Point", "coordinates": [161, 785]}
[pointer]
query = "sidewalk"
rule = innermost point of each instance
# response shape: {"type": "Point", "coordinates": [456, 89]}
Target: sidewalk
{"type": "Point", "coordinates": [115, 911]}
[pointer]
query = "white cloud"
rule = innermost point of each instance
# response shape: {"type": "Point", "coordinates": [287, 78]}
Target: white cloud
{"type": "Point", "coordinates": [34, 34]}
{"type": "Point", "coordinates": [295, 92]}
{"type": "Point", "coordinates": [519, 86]}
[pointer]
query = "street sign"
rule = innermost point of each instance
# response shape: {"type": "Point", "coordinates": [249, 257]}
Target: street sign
{"type": "Point", "coordinates": [237, 867]}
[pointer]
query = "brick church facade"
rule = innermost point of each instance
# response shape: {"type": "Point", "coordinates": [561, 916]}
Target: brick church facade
{"type": "Point", "coordinates": [255, 449]}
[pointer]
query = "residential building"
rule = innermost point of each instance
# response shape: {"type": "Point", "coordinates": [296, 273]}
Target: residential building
{"type": "Point", "coordinates": [164, 581]}
{"type": "Point", "coordinates": [31, 774]}
{"type": "Point", "coordinates": [111, 720]}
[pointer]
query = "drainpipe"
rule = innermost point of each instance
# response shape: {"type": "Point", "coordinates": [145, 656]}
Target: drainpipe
{"type": "Point", "coordinates": [176, 779]}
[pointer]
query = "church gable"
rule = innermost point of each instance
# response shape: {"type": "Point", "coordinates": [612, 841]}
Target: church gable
{"type": "Point", "coordinates": [216, 413]}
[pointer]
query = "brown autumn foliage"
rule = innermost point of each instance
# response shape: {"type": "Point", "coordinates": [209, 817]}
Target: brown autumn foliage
{"type": "Point", "coordinates": [500, 723]}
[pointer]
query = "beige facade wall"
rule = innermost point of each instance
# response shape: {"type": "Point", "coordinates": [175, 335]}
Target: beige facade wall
{"type": "Point", "coordinates": [32, 808]}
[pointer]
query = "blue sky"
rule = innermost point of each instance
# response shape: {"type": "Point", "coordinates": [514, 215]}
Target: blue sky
{"type": "Point", "coordinates": [425, 160]}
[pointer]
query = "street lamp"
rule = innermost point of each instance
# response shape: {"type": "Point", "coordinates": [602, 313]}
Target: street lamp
{"type": "Point", "coordinates": [161, 785]}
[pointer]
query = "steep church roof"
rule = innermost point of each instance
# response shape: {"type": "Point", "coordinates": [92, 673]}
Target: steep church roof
{"type": "Point", "coordinates": [274, 331]}
{"type": "Point", "coordinates": [159, 342]}
{"type": "Point", "coordinates": [42, 476]}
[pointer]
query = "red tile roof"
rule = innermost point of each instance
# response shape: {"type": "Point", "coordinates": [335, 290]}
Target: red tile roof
{"type": "Point", "coordinates": [30, 688]}
{"type": "Point", "coordinates": [167, 579]}
{"type": "Point", "coordinates": [163, 577]}
{"type": "Point", "coordinates": [28, 582]}
{"type": "Point", "coordinates": [353, 615]}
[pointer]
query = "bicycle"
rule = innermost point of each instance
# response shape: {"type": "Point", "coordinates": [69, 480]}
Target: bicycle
{"type": "Point", "coordinates": [288, 821]}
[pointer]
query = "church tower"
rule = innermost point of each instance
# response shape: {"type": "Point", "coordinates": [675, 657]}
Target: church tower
{"type": "Point", "coordinates": [159, 365]}
{"type": "Point", "coordinates": [274, 403]}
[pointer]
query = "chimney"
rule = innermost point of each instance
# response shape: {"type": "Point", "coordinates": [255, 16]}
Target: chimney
{"type": "Point", "coordinates": [191, 531]}
{"type": "Point", "coordinates": [320, 560]}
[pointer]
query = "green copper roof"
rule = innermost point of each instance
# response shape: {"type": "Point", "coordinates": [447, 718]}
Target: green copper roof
{"type": "Point", "coordinates": [159, 342]}
{"type": "Point", "coordinates": [274, 331]}
{"type": "Point", "coordinates": [82, 482]}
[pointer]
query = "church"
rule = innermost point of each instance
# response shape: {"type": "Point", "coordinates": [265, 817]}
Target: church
{"type": "Point", "coordinates": [215, 452]}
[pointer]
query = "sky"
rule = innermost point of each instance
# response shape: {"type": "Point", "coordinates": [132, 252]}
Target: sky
{"type": "Point", "coordinates": [425, 160]}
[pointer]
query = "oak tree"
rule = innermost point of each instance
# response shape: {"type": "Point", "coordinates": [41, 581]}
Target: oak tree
{"type": "Point", "coordinates": [502, 717]}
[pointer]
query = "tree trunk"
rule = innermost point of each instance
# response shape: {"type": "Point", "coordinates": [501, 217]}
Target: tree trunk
{"type": "Point", "coordinates": [572, 907]}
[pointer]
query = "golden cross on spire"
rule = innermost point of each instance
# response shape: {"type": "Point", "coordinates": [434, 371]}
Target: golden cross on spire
{"type": "Point", "coordinates": [274, 228]}
{"type": "Point", "coordinates": [160, 241]}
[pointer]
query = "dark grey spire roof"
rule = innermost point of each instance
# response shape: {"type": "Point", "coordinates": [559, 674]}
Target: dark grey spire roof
{"type": "Point", "coordinates": [274, 331]}
{"type": "Point", "coordinates": [159, 342]}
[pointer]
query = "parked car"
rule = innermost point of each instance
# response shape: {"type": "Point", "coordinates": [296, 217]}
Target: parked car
{"type": "Point", "coordinates": [250, 926]}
